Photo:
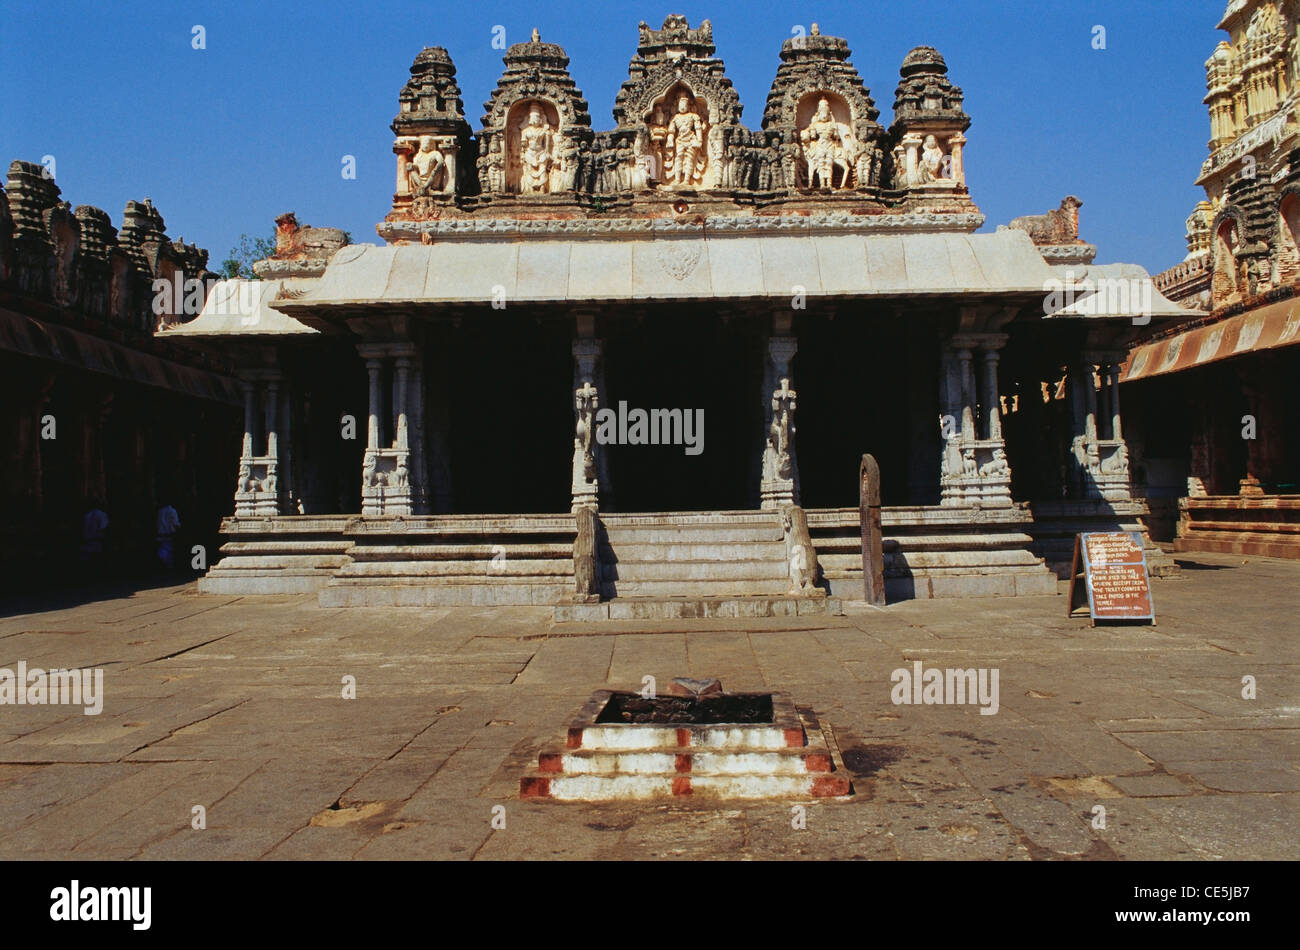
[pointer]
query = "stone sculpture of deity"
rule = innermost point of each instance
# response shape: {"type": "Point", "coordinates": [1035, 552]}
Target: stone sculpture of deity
{"type": "Point", "coordinates": [536, 153]}
{"type": "Point", "coordinates": [828, 145]}
{"type": "Point", "coordinates": [423, 168]}
{"type": "Point", "coordinates": [929, 167]}
{"type": "Point", "coordinates": [496, 167]}
{"type": "Point", "coordinates": [684, 144]}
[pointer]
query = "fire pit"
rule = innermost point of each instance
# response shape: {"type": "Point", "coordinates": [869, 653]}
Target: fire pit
{"type": "Point", "coordinates": [622, 745]}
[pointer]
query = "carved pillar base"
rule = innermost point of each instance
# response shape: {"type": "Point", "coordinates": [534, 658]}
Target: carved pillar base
{"type": "Point", "coordinates": [257, 494]}
{"type": "Point", "coordinates": [975, 474]}
{"type": "Point", "coordinates": [586, 492]}
{"type": "Point", "coordinates": [776, 493]}
{"type": "Point", "coordinates": [386, 483]}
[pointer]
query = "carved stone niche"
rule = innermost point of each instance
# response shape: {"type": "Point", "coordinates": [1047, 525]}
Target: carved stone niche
{"type": "Point", "coordinates": [827, 145]}
{"type": "Point", "coordinates": [929, 126]}
{"type": "Point", "coordinates": [830, 146]}
{"type": "Point", "coordinates": [536, 127]}
{"type": "Point", "coordinates": [432, 142]}
{"type": "Point", "coordinates": [680, 113]}
{"type": "Point", "coordinates": [680, 136]}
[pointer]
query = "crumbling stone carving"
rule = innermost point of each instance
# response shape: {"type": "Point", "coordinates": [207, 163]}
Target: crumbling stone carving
{"type": "Point", "coordinates": [1058, 226]}
{"type": "Point", "coordinates": [426, 172]}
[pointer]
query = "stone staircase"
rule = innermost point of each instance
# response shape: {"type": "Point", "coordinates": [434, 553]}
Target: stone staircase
{"type": "Point", "coordinates": [281, 555]}
{"type": "Point", "coordinates": [600, 759]}
{"type": "Point", "coordinates": [675, 565]}
{"type": "Point", "coordinates": [436, 560]}
{"type": "Point", "coordinates": [692, 553]}
{"type": "Point", "coordinates": [932, 551]}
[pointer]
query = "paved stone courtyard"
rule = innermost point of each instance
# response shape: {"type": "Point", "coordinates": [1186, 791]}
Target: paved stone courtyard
{"type": "Point", "coordinates": [236, 704]}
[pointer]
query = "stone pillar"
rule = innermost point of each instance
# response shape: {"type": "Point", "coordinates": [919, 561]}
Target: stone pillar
{"type": "Point", "coordinates": [400, 379]}
{"type": "Point", "coordinates": [779, 485]}
{"type": "Point", "coordinates": [386, 476]}
{"type": "Point", "coordinates": [974, 470]}
{"type": "Point", "coordinates": [589, 369]}
{"type": "Point", "coordinates": [272, 419]}
{"type": "Point", "coordinates": [374, 367]}
{"type": "Point", "coordinates": [955, 143]}
{"type": "Point", "coordinates": [286, 455]}
{"type": "Point", "coordinates": [586, 481]}
{"type": "Point", "coordinates": [1255, 456]}
{"type": "Point", "coordinates": [992, 412]}
{"type": "Point", "coordinates": [419, 469]}
{"type": "Point", "coordinates": [1116, 428]}
{"type": "Point", "coordinates": [952, 433]}
{"type": "Point", "coordinates": [250, 418]}
{"type": "Point", "coordinates": [1100, 455]}
{"type": "Point", "coordinates": [967, 382]}
{"type": "Point", "coordinates": [912, 145]}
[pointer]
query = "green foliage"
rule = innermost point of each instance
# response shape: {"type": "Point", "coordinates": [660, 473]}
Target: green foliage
{"type": "Point", "coordinates": [239, 262]}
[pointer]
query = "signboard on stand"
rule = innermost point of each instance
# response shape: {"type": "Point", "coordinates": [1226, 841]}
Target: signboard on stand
{"type": "Point", "coordinates": [1112, 567]}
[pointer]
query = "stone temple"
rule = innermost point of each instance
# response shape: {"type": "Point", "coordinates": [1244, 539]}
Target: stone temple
{"type": "Point", "coordinates": [633, 371]}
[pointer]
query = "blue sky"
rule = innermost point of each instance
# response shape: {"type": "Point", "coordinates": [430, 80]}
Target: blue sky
{"type": "Point", "coordinates": [224, 139]}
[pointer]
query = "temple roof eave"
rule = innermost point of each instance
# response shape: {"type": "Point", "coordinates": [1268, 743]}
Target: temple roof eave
{"type": "Point", "coordinates": [691, 265]}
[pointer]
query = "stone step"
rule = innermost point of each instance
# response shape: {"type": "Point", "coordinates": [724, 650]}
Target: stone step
{"type": "Point", "coordinates": [788, 756]}
{"type": "Point", "coordinates": [677, 589]}
{"type": "Point", "coordinates": [726, 761]}
{"type": "Point", "coordinates": [693, 551]}
{"type": "Point", "coordinates": [953, 561]}
{"type": "Point", "coordinates": [669, 533]}
{"type": "Point", "coordinates": [462, 552]}
{"type": "Point", "coordinates": [287, 546]}
{"type": "Point", "coordinates": [484, 569]}
{"type": "Point", "coordinates": [687, 608]}
{"type": "Point", "coordinates": [424, 594]}
{"type": "Point", "coordinates": [268, 562]}
{"type": "Point", "coordinates": [645, 787]}
{"type": "Point", "coordinates": [766, 571]}
{"type": "Point", "coordinates": [489, 525]}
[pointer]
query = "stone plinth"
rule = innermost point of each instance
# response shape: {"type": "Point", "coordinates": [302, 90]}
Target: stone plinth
{"type": "Point", "coordinates": [934, 551]}
{"type": "Point", "coordinates": [1262, 526]}
{"type": "Point", "coordinates": [1057, 522]}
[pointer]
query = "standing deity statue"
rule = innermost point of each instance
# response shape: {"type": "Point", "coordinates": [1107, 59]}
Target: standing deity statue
{"type": "Point", "coordinates": [686, 137]}
{"type": "Point", "coordinates": [571, 158]}
{"type": "Point", "coordinates": [867, 165]}
{"type": "Point", "coordinates": [496, 167]}
{"type": "Point", "coordinates": [827, 145]}
{"type": "Point", "coordinates": [423, 168]}
{"type": "Point", "coordinates": [717, 155]}
{"type": "Point", "coordinates": [643, 169]}
{"type": "Point", "coordinates": [536, 145]}
{"type": "Point", "coordinates": [929, 167]}
{"type": "Point", "coordinates": [658, 130]}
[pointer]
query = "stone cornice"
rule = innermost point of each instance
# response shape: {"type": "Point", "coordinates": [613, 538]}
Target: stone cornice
{"type": "Point", "coordinates": [451, 228]}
